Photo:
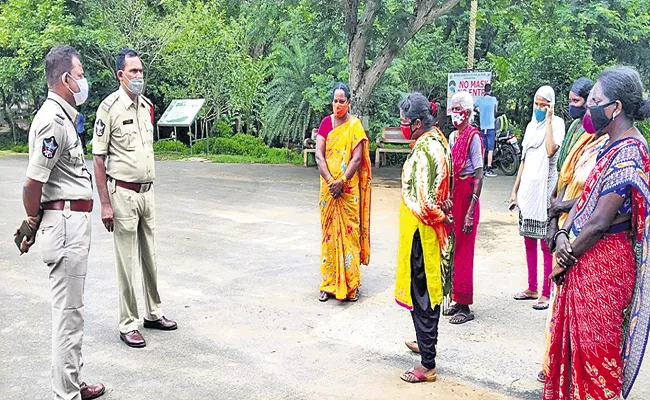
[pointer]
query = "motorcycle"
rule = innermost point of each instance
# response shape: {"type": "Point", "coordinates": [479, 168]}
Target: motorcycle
{"type": "Point", "coordinates": [507, 154]}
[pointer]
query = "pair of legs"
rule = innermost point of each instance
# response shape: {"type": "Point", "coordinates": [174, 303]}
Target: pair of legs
{"type": "Point", "coordinates": [531, 260]}
{"type": "Point", "coordinates": [489, 143]}
{"type": "Point", "coordinates": [425, 318]}
{"type": "Point", "coordinates": [134, 247]}
{"type": "Point", "coordinates": [64, 237]}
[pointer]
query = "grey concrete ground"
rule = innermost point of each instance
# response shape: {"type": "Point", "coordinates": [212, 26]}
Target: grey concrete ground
{"type": "Point", "coordinates": [238, 252]}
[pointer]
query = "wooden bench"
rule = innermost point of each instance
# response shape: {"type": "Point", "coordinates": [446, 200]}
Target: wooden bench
{"type": "Point", "coordinates": [389, 135]}
{"type": "Point", "coordinates": [309, 147]}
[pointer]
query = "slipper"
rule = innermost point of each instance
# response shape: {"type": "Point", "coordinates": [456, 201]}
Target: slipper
{"type": "Point", "coordinates": [415, 376]}
{"type": "Point", "coordinates": [541, 377]}
{"type": "Point", "coordinates": [354, 297]}
{"type": "Point", "coordinates": [323, 296]}
{"type": "Point", "coordinates": [543, 305]}
{"type": "Point", "coordinates": [461, 317]}
{"type": "Point", "coordinates": [453, 309]}
{"type": "Point", "coordinates": [413, 346]}
{"type": "Point", "coordinates": [524, 296]}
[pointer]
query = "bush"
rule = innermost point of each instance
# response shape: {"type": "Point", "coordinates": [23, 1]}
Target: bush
{"type": "Point", "coordinates": [248, 148]}
{"type": "Point", "coordinates": [20, 148]}
{"type": "Point", "coordinates": [170, 146]}
{"type": "Point", "coordinates": [221, 128]}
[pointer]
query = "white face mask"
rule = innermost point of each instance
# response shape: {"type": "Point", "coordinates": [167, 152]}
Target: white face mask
{"type": "Point", "coordinates": [135, 86]}
{"type": "Point", "coordinates": [457, 118]}
{"type": "Point", "coordinates": [82, 95]}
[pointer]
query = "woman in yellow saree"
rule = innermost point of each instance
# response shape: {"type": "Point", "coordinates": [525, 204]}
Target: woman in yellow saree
{"type": "Point", "coordinates": [425, 252]}
{"type": "Point", "coordinates": [343, 159]}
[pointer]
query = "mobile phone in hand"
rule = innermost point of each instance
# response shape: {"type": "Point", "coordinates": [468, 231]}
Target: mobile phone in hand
{"type": "Point", "coordinates": [25, 231]}
{"type": "Point", "coordinates": [512, 206]}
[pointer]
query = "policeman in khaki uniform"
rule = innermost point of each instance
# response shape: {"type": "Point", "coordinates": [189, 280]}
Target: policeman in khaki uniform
{"type": "Point", "coordinates": [124, 168]}
{"type": "Point", "coordinates": [57, 196]}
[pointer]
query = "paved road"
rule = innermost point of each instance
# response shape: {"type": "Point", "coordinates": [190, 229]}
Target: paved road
{"type": "Point", "coordinates": [238, 249]}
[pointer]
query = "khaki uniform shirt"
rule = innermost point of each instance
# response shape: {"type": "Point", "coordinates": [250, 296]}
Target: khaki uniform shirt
{"type": "Point", "coordinates": [56, 156]}
{"type": "Point", "coordinates": [124, 134]}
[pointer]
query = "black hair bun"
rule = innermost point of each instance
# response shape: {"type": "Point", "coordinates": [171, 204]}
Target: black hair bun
{"type": "Point", "coordinates": [644, 111]}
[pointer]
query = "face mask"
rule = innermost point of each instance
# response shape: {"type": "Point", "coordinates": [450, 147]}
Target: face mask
{"type": "Point", "coordinates": [135, 86]}
{"type": "Point", "coordinates": [577, 112]}
{"type": "Point", "coordinates": [588, 124]}
{"type": "Point", "coordinates": [457, 118]}
{"type": "Point", "coordinates": [407, 132]}
{"type": "Point", "coordinates": [540, 115]}
{"type": "Point", "coordinates": [82, 95]}
{"type": "Point", "coordinates": [340, 109]}
{"type": "Point", "coordinates": [598, 118]}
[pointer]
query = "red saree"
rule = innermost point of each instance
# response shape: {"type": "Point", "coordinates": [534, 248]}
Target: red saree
{"type": "Point", "coordinates": [463, 280]}
{"type": "Point", "coordinates": [595, 351]}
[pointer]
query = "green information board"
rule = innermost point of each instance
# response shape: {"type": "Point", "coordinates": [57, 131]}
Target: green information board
{"type": "Point", "coordinates": [181, 112]}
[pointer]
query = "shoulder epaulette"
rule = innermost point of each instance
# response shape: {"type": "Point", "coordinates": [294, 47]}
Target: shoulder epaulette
{"type": "Point", "coordinates": [110, 100]}
{"type": "Point", "coordinates": [59, 118]}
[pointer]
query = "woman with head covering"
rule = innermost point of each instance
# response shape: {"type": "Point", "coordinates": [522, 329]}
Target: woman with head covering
{"type": "Point", "coordinates": [467, 156]}
{"type": "Point", "coordinates": [600, 324]}
{"type": "Point", "coordinates": [343, 159]}
{"type": "Point", "coordinates": [425, 249]}
{"type": "Point", "coordinates": [579, 163]}
{"type": "Point", "coordinates": [535, 181]}
{"type": "Point", "coordinates": [577, 108]}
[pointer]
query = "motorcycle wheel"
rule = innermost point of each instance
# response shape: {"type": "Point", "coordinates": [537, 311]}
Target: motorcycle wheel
{"type": "Point", "coordinates": [509, 160]}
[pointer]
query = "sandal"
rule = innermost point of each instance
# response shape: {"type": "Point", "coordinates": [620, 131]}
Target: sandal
{"type": "Point", "coordinates": [413, 346]}
{"type": "Point", "coordinates": [541, 377]}
{"type": "Point", "coordinates": [453, 309]}
{"type": "Point", "coordinates": [323, 296]}
{"type": "Point", "coordinates": [461, 317]}
{"type": "Point", "coordinates": [415, 376]}
{"type": "Point", "coordinates": [354, 297]}
{"type": "Point", "coordinates": [541, 305]}
{"type": "Point", "coordinates": [524, 296]}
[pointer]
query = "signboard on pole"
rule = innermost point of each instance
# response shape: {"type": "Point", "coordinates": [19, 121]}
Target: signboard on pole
{"type": "Point", "coordinates": [181, 112]}
{"type": "Point", "coordinates": [472, 82]}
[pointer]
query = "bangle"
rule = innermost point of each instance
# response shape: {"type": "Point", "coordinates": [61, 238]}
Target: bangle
{"type": "Point", "coordinates": [474, 196]}
{"type": "Point", "coordinates": [560, 232]}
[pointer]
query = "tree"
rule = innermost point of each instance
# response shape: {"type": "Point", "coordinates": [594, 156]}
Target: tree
{"type": "Point", "coordinates": [361, 29]}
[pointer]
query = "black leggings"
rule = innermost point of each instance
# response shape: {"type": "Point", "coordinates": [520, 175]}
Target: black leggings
{"type": "Point", "coordinates": [425, 319]}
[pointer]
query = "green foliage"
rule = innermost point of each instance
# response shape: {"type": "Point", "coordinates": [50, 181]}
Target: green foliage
{"type": "Point", "coordinates": [170, 146]}
{"type": "Point", "coordinates": [266, 68]}
{"type": "Point", "coordinates": [20, 148]}
{"type": "Point", "coordinates": [221, 128]}
{"type": "Point", "coordinates": [242, 145]}
{"type": "Point", "coordinates": [240, 148]}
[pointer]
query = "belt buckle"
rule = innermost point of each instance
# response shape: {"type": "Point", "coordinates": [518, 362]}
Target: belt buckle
{"type": "Point", "coordinates": [144, 187]}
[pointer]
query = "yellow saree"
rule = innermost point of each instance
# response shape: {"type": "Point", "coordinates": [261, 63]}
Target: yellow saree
{"type": "Point", "coordinates": [345, 222]}
{"type": "Point", "coordinates": [427, 181]}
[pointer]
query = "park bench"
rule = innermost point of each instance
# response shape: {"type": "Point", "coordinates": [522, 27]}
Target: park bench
{"type": "Point", "coordinates": [389, 135]}
{"type": "Point", "coordinates": [309, 147]}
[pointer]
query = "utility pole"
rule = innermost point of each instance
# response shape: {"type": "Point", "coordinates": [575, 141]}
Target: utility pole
{"type": "Point", "coordinates": [472, 35]}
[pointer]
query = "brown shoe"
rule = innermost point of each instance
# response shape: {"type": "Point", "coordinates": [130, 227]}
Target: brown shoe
{"type": "Point", "coordinates": [162, 324]}
{"type": "Point", "coordinates": [92, 391]}
{"type": "Point", "coordinates": [133, 339]}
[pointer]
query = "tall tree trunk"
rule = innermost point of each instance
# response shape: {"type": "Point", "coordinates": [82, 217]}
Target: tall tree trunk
{"type": "Point", "coordinates": [6, 108]}
{"type": "Point", "coordinates": [363, 78]}
{"type": "Point", "coordinates": [472, 35]}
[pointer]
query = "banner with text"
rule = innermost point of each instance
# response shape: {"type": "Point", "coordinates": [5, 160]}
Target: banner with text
{"type": "Point", "coordinates": [472, 82]}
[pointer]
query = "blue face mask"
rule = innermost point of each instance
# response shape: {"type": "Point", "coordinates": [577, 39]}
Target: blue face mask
{"type": "Point", "coordinates": [540, 115]}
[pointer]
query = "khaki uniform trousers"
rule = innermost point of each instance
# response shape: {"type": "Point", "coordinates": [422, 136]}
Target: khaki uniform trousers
{"type": "Point", "coordinates": [134, 216]}
{"type": "Point", "coordinates": [64, 238]}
